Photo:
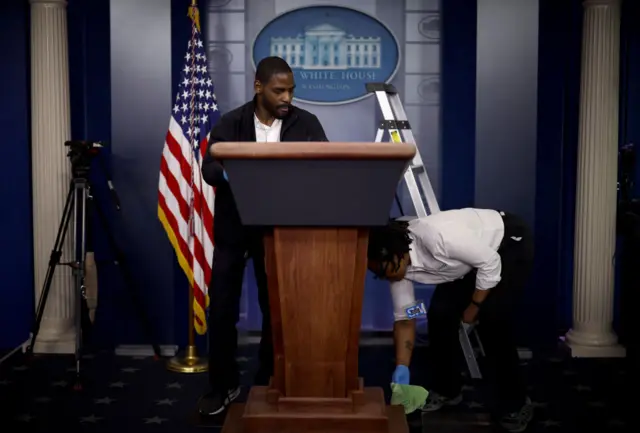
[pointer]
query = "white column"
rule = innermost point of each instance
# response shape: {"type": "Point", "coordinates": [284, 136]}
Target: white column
{"type": "Point", "coordinates": [50, 128]}
{"type": "Point", "coordinates": [595, 221]}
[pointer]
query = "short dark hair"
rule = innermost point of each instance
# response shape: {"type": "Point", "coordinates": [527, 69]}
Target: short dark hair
{"type": "Point", "coordinates": [269, 66]}
{"type": "Point", "coordinates": [389, 242]}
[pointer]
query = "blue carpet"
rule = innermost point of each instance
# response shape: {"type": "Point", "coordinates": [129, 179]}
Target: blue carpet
{"type": "Point", "coordinates": [140, 394]}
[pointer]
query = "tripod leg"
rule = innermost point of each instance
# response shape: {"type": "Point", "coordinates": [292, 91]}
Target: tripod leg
{"type": "Point", "coordinates": [54, 260]}
{"type": "Point", "coordinates": [80, 246]}
{"type": "Point", "coordinates": [128, 277]}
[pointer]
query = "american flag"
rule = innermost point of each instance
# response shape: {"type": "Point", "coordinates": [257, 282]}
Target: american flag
{"type": "Point", "coordinates": [185, 202]}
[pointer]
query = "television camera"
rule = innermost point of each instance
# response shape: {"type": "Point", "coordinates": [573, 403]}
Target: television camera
{"type": "Point", "coordinates": [80, 154]}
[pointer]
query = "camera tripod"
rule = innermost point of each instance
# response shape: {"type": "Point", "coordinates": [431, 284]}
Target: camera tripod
{"type": "Point", "coordinates": [77, 204]}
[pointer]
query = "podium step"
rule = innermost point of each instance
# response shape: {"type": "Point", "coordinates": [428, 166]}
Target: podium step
{"type": "Point", "coordinates": [397, 423]}
{"type": "Point", "coordinates": [268, 412]}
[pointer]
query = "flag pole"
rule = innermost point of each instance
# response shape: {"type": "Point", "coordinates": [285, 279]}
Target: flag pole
{"type": "Point", "coordinates": [189, 361]}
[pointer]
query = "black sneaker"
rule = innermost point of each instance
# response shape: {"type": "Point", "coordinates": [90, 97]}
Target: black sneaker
{"type": "Point", "coordinates": [214, 403]}
{"type": "Point", "coordinates": [436, 402]}
{"type": "Point", "coordinates": [518, 421]}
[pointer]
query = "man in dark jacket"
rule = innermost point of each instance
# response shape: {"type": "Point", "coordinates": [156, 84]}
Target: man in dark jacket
{"type": "Point", "coordinates": [269, 117]}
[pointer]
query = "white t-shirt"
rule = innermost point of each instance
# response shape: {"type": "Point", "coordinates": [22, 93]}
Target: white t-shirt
{"type": "Point", "coordinates": [265, 133]}
{"type": "Point", "coordinates": [446, 246]}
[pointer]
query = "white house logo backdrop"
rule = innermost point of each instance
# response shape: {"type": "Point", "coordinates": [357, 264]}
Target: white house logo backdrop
{"type": "Point", "coordinates": [332, 50]}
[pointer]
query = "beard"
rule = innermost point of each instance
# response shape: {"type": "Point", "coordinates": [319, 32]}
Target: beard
{"type": "Point", "coordinates": [278, 112]}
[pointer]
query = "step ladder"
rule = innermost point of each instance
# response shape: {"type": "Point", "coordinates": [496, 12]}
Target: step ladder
{"type": "Point", "coordinates": [424, 200]}
{"type": "Point", "coordinates": [396, 123]}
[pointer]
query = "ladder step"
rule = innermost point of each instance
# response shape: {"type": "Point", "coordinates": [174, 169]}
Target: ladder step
{"type": "Point", "coordinates": [395, 122]}
{"type": "Point", "coordinates": [381, 87]}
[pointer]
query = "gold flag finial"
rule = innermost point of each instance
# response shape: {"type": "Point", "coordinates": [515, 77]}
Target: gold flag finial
{"type": "Point", "coordinates": [194, 14]}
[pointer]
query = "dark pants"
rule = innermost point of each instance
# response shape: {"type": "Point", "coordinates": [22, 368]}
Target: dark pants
{"type": "Point", "coordinates": [224, 312]}
{"type": "Point", "coordinates": [501, 365]}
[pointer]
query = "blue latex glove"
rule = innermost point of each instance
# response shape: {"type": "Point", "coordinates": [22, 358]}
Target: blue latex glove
{"type": "Point", "coordinates": [401, 376]}
{"type": "Point", "coordinates": [224, 173]}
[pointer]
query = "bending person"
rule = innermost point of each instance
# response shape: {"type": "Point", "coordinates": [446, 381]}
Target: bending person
{"type": "Point", "coordinates": [480, 260]}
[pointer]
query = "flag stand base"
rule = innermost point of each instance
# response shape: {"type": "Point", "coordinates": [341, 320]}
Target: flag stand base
{"type": "Point", "coordinates": [190, 362]}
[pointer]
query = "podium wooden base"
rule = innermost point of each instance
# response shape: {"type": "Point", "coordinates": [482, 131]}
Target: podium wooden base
{"type": "Point", "coordinates": [265, 412]}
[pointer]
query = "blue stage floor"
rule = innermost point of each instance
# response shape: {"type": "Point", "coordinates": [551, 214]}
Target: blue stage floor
{"type": "Point", "coordinates": [123, 394]}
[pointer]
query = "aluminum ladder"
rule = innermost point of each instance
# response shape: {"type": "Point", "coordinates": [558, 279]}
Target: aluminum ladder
{"type": "Point", "coordinates": [420, 189]}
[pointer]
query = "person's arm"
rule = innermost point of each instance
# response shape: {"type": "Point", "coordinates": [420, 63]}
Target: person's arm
{"type": "Point", "coordinates": [464, 246]}
{"type": "Point", "coordinates": [212, 171]}
{"type": "Point", "coordinates": [316, 131]}
{"type": "Point", "coordinates": [404, 328]}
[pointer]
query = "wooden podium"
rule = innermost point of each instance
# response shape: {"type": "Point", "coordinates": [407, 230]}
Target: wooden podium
{"type": "Point", "coordinates": [319, 199]}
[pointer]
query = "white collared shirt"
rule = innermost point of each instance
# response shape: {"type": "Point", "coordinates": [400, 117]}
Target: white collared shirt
{"type": "Point", "coordinates": [265, 133]}
{"type": "Point", "coordinates": [449, 244]}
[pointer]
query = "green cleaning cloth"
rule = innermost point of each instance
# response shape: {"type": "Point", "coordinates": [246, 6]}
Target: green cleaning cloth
{"type": "Point", "coordinates": [412, 397]}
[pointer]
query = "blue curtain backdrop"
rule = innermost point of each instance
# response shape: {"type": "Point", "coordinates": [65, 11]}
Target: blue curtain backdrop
{"type": "Point", "coordinates": [558, 103]}
{"type": "Point", "coordinates": [164, 290]}
{"type": "Point", "coordinates": [16, 251]}
{"type": "Point", "coordinates": [630, 84]}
